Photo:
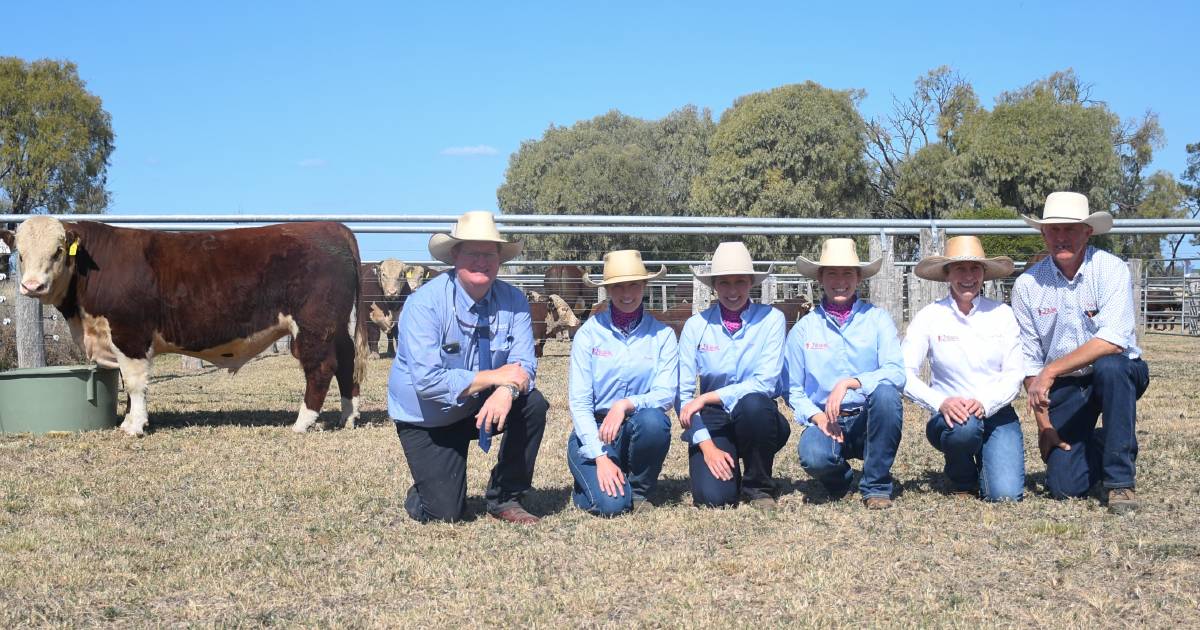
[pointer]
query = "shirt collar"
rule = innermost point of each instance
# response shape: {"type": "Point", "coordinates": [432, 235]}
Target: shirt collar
{"type": "Point", "coordinates": [1087, 260]}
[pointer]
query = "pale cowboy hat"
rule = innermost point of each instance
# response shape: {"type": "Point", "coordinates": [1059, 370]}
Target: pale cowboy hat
{"type": "Point", "coordinates": [837, 252]}
{"type": "Point", "coordinates": [623, 265]}
{"type": "Point", "coordinates": [478, 225]}
{"type": "Point", "coordinates": [963, 249]}
{"type": "Point", "coordinates": [731, 259]}
{"type": "Point", "coordinates": [1070, 207]}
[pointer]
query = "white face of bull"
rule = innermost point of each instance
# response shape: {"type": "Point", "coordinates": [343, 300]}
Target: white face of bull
{"type": "Point", "coordinates": [392, 275]}
{"type": "Point", "coordinates": [561, 316]}
{"type": "Point", "coordinates": [43, 248]}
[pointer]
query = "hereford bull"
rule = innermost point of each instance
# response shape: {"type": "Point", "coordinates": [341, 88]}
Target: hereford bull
{"type": "Point", "coordinates": [566, 281]}
{"type": "Point", "coordinates": [130, 294]}
{"type": "Point", "coordinates": [549, 316]}
{"type": "Point", "coordinates": [383, 289]}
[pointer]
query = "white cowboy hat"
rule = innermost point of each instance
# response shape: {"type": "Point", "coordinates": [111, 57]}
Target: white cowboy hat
{"type": "Point", "coordinates": [623, 265]}
{"type": "Point", "coordinates": [478, 225]}
{"type": "Point", "coordinates": [732, 259]}
{"type": "Point", "coordinates": [1070, 207]}
{"type": "Point", "coordinates": [963, 249]}
{"type": "Point", "coordinates": [837, 252]}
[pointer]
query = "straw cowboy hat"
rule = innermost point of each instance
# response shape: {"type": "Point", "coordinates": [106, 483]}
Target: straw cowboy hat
{"type": "Point", "coordinates": [837, 252]}
{"type": "Point", "coordinates": [478, 225]}
{"type": "Point", "coordinates": [623, 265]}
{"type": "Point", "coordinates": [732, 259]}
{"type": "Point", "coordinates": [1069, 207]}
{"type": "Point", "coordinates": [963, 249]}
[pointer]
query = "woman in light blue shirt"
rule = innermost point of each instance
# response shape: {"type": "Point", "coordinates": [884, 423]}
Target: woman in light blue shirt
{"type": "Point", "coordinates": [624, 371]}
{"type": "Point", "coordinates": [735, 349]}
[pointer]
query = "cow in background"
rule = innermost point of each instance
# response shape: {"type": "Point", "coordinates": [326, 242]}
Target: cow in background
{"type": "Point", "coordinates": [550, 315]}
{"type": "Point", "coordinates": [384, 288]}
{"type": "Point", "coordinates": [566, 281]}
{"type": "Point", "coordinates": [223, 296]}
{"type": "Point", "coordinates": [793, 309]}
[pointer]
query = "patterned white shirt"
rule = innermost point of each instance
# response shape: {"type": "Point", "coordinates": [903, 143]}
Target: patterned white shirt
{"type": "Point", "coordinates": [1058, 315]}
{"type": "Point", "coordinates": [977, 355]}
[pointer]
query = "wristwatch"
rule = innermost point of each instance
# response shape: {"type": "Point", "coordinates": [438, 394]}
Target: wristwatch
{"type": "Point", "coordinates": [516, 393]}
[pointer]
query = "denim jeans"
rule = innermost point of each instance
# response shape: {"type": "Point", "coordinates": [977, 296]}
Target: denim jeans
{"type": "Point", "coordinates": [988, 454]}
{"type": "Point", "coordinates": [873, 435]}
{"type": "Point", "coordinates": [752, 435]}
{"type": "Point", "coordinates": [1106, 454]}
{"type": "Point", "coordinates": [639, 451]}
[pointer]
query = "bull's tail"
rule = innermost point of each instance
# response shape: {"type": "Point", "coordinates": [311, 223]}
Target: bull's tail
{"type": "Point", "coordinates": [359, 320]}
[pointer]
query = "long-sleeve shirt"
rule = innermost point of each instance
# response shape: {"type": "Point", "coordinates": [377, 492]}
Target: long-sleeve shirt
{"type": "Point", "coordinates": [820, 353]}
{"type": "Point", "coordinates": [437, 355]}
{"type": "Point", "coordinates": [1057, 315]}
{"type": "Point", "coordinates": [976, 355]}
{"type": "Point", "coordinates": [733, 365]}
{"type": "Point", "coordinates": [607, 366]}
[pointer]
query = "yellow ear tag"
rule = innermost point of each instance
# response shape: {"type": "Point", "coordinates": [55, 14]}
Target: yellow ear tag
{"type": "Point", "coordinates": [74, 249]}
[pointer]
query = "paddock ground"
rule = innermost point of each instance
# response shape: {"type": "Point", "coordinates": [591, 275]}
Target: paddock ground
{"type": "Point", "coordinates": [221, 516]}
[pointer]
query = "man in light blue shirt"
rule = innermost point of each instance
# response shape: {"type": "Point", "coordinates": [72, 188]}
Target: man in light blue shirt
{"type": "Point", "coordinates": [624, 371]}
{"type": "Point", "coordinates": [845, 375]}
{"type": "Point", "coordinates": [1075, 310]}
{"type": "Point", "coordinates": [464, 370]}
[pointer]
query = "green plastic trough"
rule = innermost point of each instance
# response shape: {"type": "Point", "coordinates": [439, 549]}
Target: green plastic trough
{"type": "Point", "coordinates": [61, 398]}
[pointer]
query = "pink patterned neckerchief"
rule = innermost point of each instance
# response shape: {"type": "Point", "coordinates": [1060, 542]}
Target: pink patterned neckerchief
{"type": "Point", "coordinates": [732, 320]}
{"type": "Point", "coordinates": [626, 322]}
{"type": "Point", "coordinates": [840, 312]}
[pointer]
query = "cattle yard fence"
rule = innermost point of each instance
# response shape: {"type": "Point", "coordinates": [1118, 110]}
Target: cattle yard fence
{"type": "Point", "coordinates": [1168, 291]}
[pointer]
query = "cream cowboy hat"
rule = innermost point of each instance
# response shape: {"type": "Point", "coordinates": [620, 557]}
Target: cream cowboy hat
{"type": "Point", "coordinates": [837, 252]}
{"type": "Point", "coordinates": [963, 249]}
{"type": "Point", "coordinates": [732, 259]}
{"type": "Point", "coordinates": [1070, 207]}
{"type": "Point", "coordinates": [478, 225]}
{"type": "Point", "coordinates": [624, 265]}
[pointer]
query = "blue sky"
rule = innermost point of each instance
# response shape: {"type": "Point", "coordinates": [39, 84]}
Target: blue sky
{"type": "Point", "coordinates": [305, 107]}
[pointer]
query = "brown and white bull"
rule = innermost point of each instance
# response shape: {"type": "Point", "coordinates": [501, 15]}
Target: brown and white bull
{"type": "Point", "coordinates": [550, 315]}
{"type": "Point", "coordinates": [384, 288]}
{"type": "Point", "coordinates": [224, 296]}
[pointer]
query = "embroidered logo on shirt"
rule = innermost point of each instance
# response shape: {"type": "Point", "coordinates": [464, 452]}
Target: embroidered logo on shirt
{"type": "Point", "coordinates": [947, 338]}
{"type": "Point", "coordinates": [815, 345]}
{"type": "Point", "coordinates": [708, 347]}
{"type": "Point", "coordinates": [1046, 310]}
{"type": "Point", "coordinates": [601, 352]}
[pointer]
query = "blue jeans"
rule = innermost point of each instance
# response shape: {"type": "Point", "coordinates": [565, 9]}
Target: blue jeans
{"type": "Point", "coordinates": [1106, 454]}
{"type": "Point", "coordinates": [985, 453]}
{"type": "Point", "coordinates": [752, 435]}
{"type": "Point", "coordinates": [639, 450]}
{"type": "Point", "coordinates": [872, 434]}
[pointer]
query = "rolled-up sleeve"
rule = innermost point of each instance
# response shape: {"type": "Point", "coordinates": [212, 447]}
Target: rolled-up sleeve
{"type": "Point", "coordinates": [1115, 320]}
{"type": "Point", "coordinates": [891, 360]}
{"type": "Point", "coordinates": [420, 342]}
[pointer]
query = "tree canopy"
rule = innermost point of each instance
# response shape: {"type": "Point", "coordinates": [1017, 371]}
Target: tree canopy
{"type": "Point", "coordinates": [55, 139]}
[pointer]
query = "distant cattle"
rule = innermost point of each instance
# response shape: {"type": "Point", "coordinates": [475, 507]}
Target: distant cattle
{"type": "Point", "coordinates": [384, 288]}
{"type": "Point", "coordinates": [566, 281]}
{"type": "Point", "coordinates": [224, 296]}
{"type": "Point", "coordinates": [550, 315]}
{"type": "Point", "coordinates": [675, 317]}
{"type": "Point", "coordinates": [793, 309]}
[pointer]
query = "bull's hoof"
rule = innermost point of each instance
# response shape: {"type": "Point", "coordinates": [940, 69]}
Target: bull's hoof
{"type": "Point", "coordinates": [133, 431]}
{"type": "Point", "coordinates": [300, 428]}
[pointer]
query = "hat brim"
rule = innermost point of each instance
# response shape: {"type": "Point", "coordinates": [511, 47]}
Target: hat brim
{"type": "Point", "coordinates": [1100, 222]}
{"type": "Point", "coordinates": [756, 277]}
{"type": "Point", "coordinates": [587, 281]}
{"type": "Point", "coordinates": [812, 269]}
{"type": "Point", "coordinates": [441, 247]}
{"type": "Point", "coordinates": [935, 267]}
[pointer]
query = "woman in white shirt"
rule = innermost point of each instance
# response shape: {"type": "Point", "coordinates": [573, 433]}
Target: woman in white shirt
{"type": "Point", "coordinates": [976, 367]}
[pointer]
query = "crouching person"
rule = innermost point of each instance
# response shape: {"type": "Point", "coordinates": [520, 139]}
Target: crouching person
{"type": "Point", "coordinates": [732, 423]}
{"type": "Point", "coordinates": [464, 371]}
{"type": "Point", "coordinates": [845, 374]}
{"type": "Point", "coordinates": [624, 375]}
{"type": "Point", "coordinates": [977, 368]}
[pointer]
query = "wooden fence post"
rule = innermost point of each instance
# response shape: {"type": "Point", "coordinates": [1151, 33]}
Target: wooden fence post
{"type": "Point", "coordinates": [31, 342]}
{"type": "Point", "coordinates": [701, 294]}
{"type": "Point", "coordinates": [923, 292]}
{"type": "Point", "coordinates": [886, 287]}
{"type": "Point", "coordinates": [770, 290]}
{"type": "Point", "coordinates": [1139, 298]}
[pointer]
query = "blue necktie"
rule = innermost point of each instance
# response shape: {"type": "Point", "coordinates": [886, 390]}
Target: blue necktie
{"type": "Point", "coordinates": [483, 342]}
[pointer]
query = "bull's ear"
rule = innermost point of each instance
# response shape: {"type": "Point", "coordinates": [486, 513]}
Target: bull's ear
{"type": "Point", "coordinates": [73, 243]}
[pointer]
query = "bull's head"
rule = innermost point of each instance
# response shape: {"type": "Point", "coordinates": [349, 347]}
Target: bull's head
{"type": "Point", "coordinates": [46, 251]}
{"type": "Point", "coordinates": [392, 276]}
{"type": "Point", "coordinates": [560, 317]}
{"type": "Point", "coordinates": [416, 275]}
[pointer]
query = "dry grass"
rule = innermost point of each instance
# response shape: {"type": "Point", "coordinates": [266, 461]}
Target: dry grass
{"type": "Point", "coordinates": [222, 516]}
